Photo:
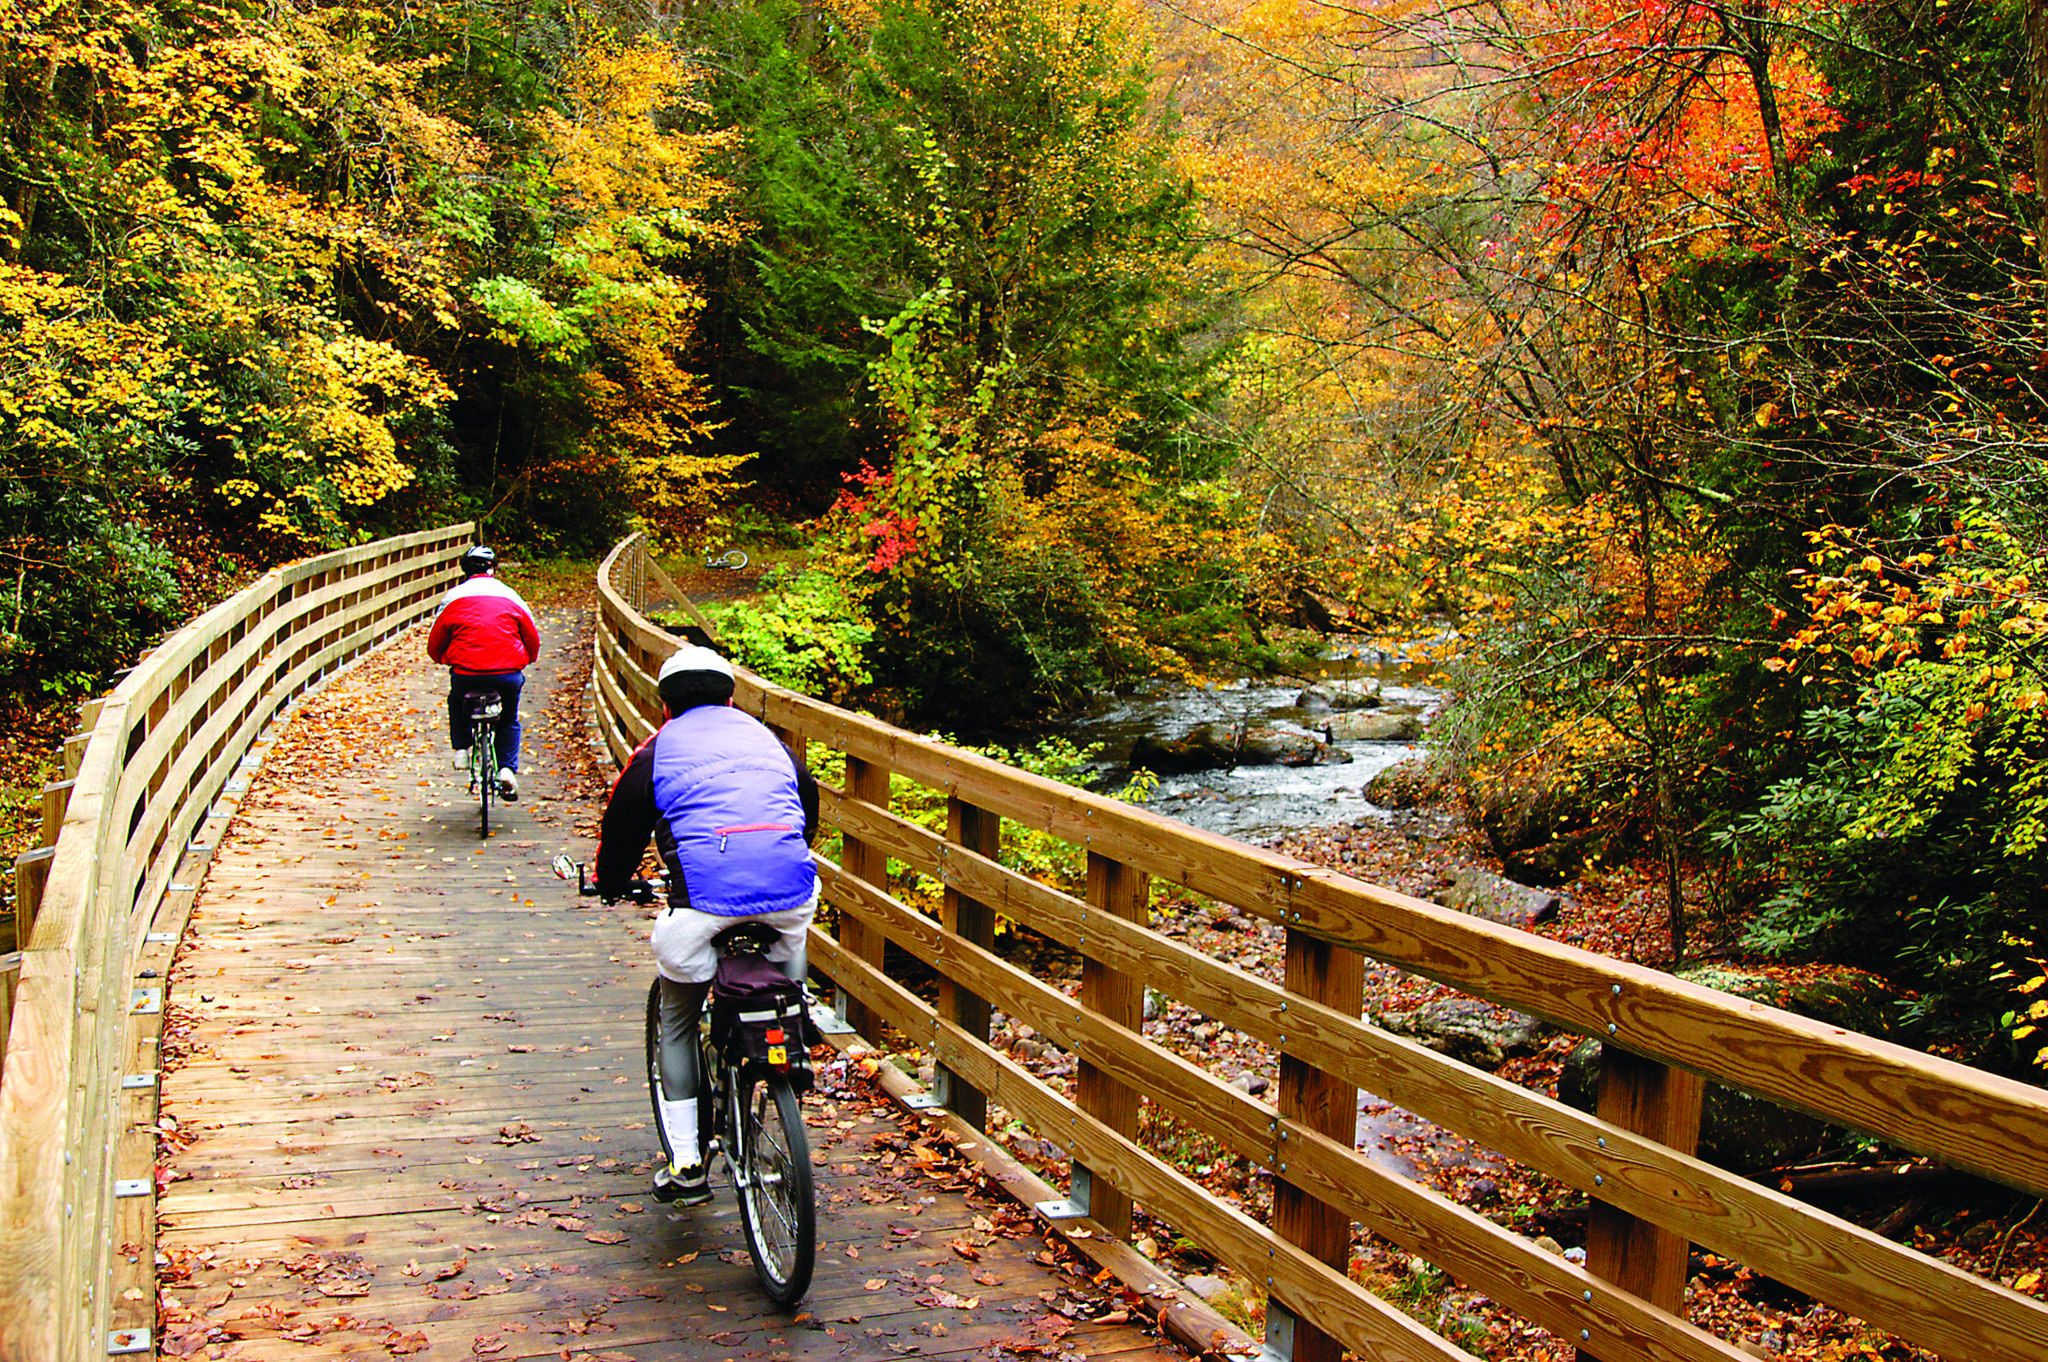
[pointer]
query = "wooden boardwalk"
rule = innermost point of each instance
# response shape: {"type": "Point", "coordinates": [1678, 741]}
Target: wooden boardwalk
{"type": "Point", "coordinates": [404, 1111]}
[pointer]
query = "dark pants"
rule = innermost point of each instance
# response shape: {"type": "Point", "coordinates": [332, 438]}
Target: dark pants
{"type": "Point", "coordinates": [506, 687]}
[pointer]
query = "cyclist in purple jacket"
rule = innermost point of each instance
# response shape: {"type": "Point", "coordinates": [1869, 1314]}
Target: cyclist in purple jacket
{"type": "Point", "coordinates": [732, 814]}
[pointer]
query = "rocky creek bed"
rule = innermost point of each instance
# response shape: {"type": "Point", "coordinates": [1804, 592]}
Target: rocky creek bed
{"type": "Point", "coordinates": [1434, 852]}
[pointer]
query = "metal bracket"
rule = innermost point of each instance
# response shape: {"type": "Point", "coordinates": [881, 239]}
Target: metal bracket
{"type": "Point", "coordinates": [1063, 1209]}
{"type": "Point", "coordinates": [1279, 1346]}
{"type": "Point", "coordinates": [829, 1022]}
{"type": "Point", "coordinates": [180, 887]}
{"type": "Point", "coordinates": [122, 1341]}
{"type": "Point", "coordinates": [145, 1000]}
{"type": "Point", "coordinates": [147, 1080]}
{"type": "Point", "coordinates": [199, 848]}
{"type": "Point", "coordinates": [131, 1186]}
{"type": "Point", "coordinates": [236, 786]}
{"type": "Point", "coordinates": [922, 1101]}
{"type": "Point", "coordinates": [162, 938]}
{"type": "Point", "coordinates": [1081, 1187]}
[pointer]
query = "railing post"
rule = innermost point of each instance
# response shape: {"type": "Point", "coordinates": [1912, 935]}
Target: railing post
{"type": "Point", "coordinates": [977, 830]}
{"type": "Point", "coordinates": [56, 799]}
{"type": "Point", "coordinates": [1335, 976]}
{"type": "Point", "coordinates": [10, 979]}
{"type": "Point", "coordinates": [868, 783]}
{"type": "Point", "coordinates": [1120, 891]}
{"type": "Point", "coordinates": [1663, 1103]}
{"type": "Point", "coordinates": [31, 875]}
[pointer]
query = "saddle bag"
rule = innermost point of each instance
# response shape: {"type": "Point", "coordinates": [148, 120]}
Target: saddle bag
{"type": "Point", "coordinates": [759, 1015]}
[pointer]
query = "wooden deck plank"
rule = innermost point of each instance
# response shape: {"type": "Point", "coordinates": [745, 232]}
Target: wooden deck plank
{"type": "Point", "coordinates": [391, 1061]}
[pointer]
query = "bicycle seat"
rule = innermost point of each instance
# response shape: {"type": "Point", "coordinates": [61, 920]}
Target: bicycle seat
{"type": "Point", "coordinates": [745, 937]}
{"type": "Point", "coordinates": [484, 704]}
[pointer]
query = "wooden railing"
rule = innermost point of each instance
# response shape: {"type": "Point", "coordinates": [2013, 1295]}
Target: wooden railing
{"type": "Point", "coordinates": [1661, 1037]}
{"type": "Point", "coordinates": [99, 910]}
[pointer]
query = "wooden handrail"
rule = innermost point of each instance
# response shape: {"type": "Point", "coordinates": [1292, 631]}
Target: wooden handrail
{"type": "Point", "coordinates": [1656, 1194]}
{"type": "Point", "coordinates": [154, 756]}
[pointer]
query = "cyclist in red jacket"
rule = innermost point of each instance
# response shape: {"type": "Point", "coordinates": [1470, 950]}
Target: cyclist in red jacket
{"type": "Point", "coordinates": [486, 638]}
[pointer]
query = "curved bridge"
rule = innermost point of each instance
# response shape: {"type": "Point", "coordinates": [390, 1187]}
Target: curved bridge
{"type": "Point", "coordinates": [387, 1102]}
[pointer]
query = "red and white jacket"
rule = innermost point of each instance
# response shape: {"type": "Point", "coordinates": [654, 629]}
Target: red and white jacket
{"type": "Point", "coordinates": [484, 629]}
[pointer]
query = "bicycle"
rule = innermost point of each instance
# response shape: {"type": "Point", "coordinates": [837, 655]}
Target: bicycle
{"type": "Point", "coordinates": [732, 560]}
{"type": "Point", "coordinates": [484, 711]}
{"type": "Point", "coordinates": [750, 1110]}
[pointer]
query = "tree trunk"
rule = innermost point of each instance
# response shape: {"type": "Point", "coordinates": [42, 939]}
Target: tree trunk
{"type": "Point", "coordinates": [2037, 118]}
{"type": "Point", "coordinates": [1747, 33]}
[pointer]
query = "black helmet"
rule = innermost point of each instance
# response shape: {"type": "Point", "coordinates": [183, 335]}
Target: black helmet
{"type": "Point", "coordinates": [478, 558]}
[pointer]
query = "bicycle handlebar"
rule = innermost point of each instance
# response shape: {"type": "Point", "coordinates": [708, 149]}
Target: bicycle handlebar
{"type": "Point", "coordinates": [637, 890]}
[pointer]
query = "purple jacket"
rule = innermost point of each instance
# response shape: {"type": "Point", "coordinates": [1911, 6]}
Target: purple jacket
{"type": "Point", "coordinates": [730, 810]}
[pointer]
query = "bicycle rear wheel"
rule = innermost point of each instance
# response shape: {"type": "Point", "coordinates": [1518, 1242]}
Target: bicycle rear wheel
{"type": "Point", "coordinates": [483, 769]}
{"type": "Point", "coordinates": [772, 1174]}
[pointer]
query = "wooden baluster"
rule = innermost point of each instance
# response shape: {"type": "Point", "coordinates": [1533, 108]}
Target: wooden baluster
{"type": "Point", "coordinates": [31, 874]}
{"type": "Point", "coordinates": [1124, 892]}
{"type": "Point", "coordinates": [869, 783]}
{"type": "Point", "coordinates": [1662, 1103]}
{"type": "Point", "coordinates": [1335, 976]}
{"type": "Point", "coordinates": [56, 799]}
{"type": "Point", "coordinates": [978, 830]}
{"type": "Point", "coordinates": [10, 979]}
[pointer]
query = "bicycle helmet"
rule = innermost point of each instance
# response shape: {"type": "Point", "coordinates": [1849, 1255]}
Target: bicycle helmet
{"type": "Point", "coordinates": [694, 676]}
{"type": "Point", "coordinates": [478, 558]}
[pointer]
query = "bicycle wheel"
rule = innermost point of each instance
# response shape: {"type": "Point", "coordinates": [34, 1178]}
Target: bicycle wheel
{"type": "Point", "coordinates": [484, 769]}
{"type": "Point", "coordinates": [668, 1155]}
{"type": "Point", "coordinates": [772, 1173]}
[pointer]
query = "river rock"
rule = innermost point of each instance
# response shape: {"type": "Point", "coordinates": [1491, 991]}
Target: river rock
{"type": "Point", "coordinates": [1485, 894]}
{"type": "Point", "coordinates": [1205, 748]}
{"type": "Point", "coordinates": [1270, 745]}
{"type": "Point", "coordinates": [1205, 1287]}
{"type": "Point", "coordinates": [1378, 725]}
{"type": "Point", "coordinates": [1404, 785]}
{"type": "Point", "coordinates": [1740, 1132]}
{"type": "Point", "coordinates": [1339, 695]}
{"type": "Point", "coordinates": [1467, 1029]}
{"type": "Point", "coordinates": [1542, 832]}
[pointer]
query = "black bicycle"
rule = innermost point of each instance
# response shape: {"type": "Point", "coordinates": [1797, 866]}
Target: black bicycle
{"type": "Point", "coordinates": [755, 1068]}
{"type": "Point", "coordinates": [484, 709]}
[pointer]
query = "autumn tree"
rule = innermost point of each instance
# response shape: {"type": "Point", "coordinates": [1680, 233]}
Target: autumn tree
{"type": "Point", "coordinates": [973, 249]}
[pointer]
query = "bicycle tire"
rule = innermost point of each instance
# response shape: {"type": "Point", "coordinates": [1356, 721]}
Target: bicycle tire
{"type": "Point", "coordinates": [772, 1174]}
{"type": "Point", "coordinates": [668, 1155]}
{"type": "Point", "coordinates": [484, 766]}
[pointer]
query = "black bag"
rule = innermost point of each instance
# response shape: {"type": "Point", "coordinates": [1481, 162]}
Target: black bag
{"type": "Point", "coordinates": [759, 1013]}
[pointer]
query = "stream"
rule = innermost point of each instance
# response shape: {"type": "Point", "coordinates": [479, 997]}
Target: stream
{"type": "Point", "coordinates": [1257, 802]}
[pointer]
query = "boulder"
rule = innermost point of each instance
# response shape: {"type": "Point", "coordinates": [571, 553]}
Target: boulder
{"type": "Point", "coordinates": [1478, 1033]}
{"type": "Point", "coordinates": [1498, 899]}
{"type": "Point", "coordinates": [1206, 748]}
{"type": "Point", "coordinates": [1272, 745]}
{"type": "Point", "coordinates": [1405, 785]}
{"type": "Point", "coordinates": [1375, 725]}
{"type": "Point", "coordinates": [1339, 695]}
{"type": "Point", "coordinates": [1740, 1132]}
{"type": "Point", "coordinates": [1543, 832]}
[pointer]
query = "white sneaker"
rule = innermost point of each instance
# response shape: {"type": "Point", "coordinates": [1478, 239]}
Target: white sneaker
{"type": "Point", "coordinates": [458, 760]}
{"type": "Point", "coordinates": [508, 784]}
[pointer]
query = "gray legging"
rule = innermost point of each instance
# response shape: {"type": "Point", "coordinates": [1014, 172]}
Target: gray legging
{"type": "Point", "coordinates": [681, 1005]}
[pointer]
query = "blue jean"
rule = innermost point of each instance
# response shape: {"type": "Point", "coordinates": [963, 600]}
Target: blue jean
{"type": "Point", "coordinates": [506, 687]}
